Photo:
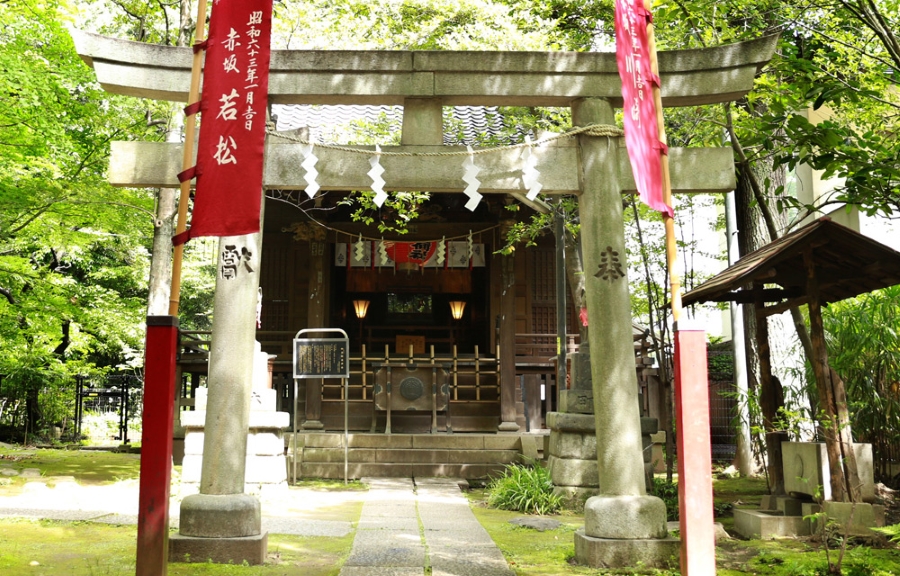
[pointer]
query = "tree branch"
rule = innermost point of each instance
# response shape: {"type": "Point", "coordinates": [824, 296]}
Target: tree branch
{"type": "Point", "coordinates": [8, 294]}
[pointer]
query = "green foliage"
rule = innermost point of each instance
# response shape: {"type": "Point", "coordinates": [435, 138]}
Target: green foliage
{"type": "Point", "coordinates": [826, 100]}
{"type": "Point", "coordinates": [668, 493]}
{"type": "Point", "coordinates": [525, 489]}
{"type": "Point", "coordinates": [73, 255]}
{"type": "Point", "coordinates": [892, 532]}
{"type": "Point", "coordinates": [863, 339]}
{"type": "Point", "coordinates": [408, 25]}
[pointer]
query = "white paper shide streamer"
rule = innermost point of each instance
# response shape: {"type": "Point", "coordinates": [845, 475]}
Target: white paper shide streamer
{"type": "Point", "coordinates": [469, 177]}
{"type": "Point", "coordinates": [530, 174]}
{"type": "Point", "coordinates": [382, 253]}
{"type": "Point", "coordinates": [360, 248]}
{"type": "Point", "coordinates": [377, 181]}
{"type": "Point", "coordinates": [470, 246]}
{"type": "Point", "coordinates": [442, 251]}
{"type": "Point", "coordinates": [309, 164]}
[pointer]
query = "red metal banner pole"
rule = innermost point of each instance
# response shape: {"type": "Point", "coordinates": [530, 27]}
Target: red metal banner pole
{"type": "Point", "coordinates": [156, 446]}
{"type": "Point", "coordinates": [698, 542]}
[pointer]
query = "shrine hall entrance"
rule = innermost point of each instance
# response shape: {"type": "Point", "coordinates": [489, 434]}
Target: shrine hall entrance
{"type": "Point", "coordinates": [413, 306]}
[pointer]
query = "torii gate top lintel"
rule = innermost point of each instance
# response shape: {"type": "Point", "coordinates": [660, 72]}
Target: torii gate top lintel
{"type": "Point", "coordinates": [689, 77]}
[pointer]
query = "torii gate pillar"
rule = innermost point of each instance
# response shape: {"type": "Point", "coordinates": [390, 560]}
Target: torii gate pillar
{"type": "Point", "coordinates": [622, 525]}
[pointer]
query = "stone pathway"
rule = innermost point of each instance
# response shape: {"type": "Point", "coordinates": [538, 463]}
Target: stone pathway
{"type": "Point", "coordinates": [407, 527]}
{"type": "Point", "coordinates": [295, 512]}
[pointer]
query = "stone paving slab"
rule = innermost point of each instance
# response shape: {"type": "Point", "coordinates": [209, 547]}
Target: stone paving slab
{"type": "Point", "coordinates": [457, 544]}
{"type": "Point", "coordinates": [387, 548]}
{"type": "Point", "coordinates": [410, 523]}
{"type": "Point", "coordinates": [72, 515]}
{"type": "Point", "coordinates": [128, 519]}
{"type": "Point", "coordinates": [469, 562]}
{"type": "Point", "coordinates": [475, 536]}
{"type": "Point", "coordinates": [438, 520]}
{"type": "Point", "coordinates": [297, 527]}
{"type": "Point", "coordinates": [389, 510]}
{"type": "Point", "coordinates": [473, 570]}
{"type": "Point", "coordinates": [382, 571]}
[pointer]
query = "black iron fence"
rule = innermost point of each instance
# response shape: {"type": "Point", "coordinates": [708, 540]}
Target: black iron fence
{"type": "Point", "coordinates": [121, 394]}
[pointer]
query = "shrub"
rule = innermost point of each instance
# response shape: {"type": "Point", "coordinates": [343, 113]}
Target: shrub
{"type": "Point", "coordinates": [668, 493]}
{"type": "Point", "coordinates": [524, 488]}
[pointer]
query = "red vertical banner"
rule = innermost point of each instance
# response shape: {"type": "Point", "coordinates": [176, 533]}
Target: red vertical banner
{"type": "Point", "coordinates": [233, 114]}
{"type": "Point", "coordinates": [639, 111]}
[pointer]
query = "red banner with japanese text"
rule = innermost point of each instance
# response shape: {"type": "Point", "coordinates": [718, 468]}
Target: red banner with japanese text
{"type": "Point", "coordinates": [639, 110]}
{"type": "Point", "coordinates": [233, 114]}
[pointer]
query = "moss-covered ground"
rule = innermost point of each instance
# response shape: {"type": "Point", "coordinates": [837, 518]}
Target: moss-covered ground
{"type": "Point", "coordinates": [50, 548]}
{"type": "Point", "coordinates": [43, 547]}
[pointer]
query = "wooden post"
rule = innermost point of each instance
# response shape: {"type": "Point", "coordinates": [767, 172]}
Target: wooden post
{"type": "Point", "coordinates": [771, 397]}
{"type": "Point", "coordinates": [315, 318]}
{"type": "Point", "coordinates": [508, 345]}
{"type": "Point", "coordinates": [845, 484]}
{"type": "Point", "coordinates": [671, 245]}
{"type": "Point", "coordinates": [187, 160]}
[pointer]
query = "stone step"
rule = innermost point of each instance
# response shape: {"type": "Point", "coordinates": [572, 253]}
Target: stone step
{"type": "Point", "coordinates": [473, 456]}
{"type": "Point", "coordinates": [409, 441]}
{"type": "Point", "coordinates": [404, 470]}
{"type": "Point", "coordinates": [412, 456]}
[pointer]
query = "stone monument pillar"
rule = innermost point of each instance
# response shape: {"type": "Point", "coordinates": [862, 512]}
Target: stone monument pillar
{"type": "Point", "coordinates": [222, 523]}
{"type": "Point", "coordinates": [623, 525]}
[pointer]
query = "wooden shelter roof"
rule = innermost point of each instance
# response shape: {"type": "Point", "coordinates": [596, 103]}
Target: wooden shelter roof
{"type": "Point", "coordinates": [846, 264]}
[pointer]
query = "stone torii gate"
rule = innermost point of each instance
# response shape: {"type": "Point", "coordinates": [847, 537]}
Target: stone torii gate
{"type": "Point", "coordinates": [594, 168]}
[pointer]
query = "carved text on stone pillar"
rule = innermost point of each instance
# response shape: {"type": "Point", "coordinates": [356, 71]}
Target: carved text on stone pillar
{"type": "Point", "coordinates": [233, 259]}
{"type": "Point", "coordinates": [610, 265]}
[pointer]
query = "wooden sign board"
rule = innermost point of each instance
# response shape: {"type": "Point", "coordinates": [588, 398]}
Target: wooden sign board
{"type": "Point", "coordinates": [321, 358]}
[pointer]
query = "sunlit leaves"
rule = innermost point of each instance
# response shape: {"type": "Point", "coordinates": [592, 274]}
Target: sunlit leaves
{"type": "Point", "coordinates": [72, 255]}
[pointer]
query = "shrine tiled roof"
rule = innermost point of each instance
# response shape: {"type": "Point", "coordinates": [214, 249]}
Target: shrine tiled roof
{"type": "Point", "coordinates": [342, 124]}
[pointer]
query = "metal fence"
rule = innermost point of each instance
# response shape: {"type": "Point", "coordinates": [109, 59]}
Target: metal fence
{"type": "Point", "coordinates": [723, 405]}
{"type": "Point", "coordinates": [122, 394]}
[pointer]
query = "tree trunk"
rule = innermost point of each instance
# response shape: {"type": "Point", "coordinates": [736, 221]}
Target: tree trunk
{"type": "Point", "coordinates": [750, 235]}
{"type": "Point", "coordinates": [163, 230]}
{"type": "Point", "coordinates": [167, 200]}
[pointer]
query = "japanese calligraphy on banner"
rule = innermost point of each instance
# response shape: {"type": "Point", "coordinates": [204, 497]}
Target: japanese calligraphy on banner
{"type": "Point", "coordinates": [639, 111]}
{"type": "Point", "coordinates": [233, 106]}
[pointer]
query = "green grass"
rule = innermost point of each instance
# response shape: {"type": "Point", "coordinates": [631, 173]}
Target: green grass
{"type": "Point", "coordinates": [532, 553]}
{"type": "Point", "coordinates": [524, 488]}
{"type": "Point", "coordinates": [90, 549]}
{"type": "Point", "coordinates": [88, 467]}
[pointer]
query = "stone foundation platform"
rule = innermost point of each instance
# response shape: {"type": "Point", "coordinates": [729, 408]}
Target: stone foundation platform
{"type": "Point", "coordinates": [249, 549]}
{"type": "Point", "coordinates": [266, 465]}
{"type": "Point", "coordinates": [609, 553]}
